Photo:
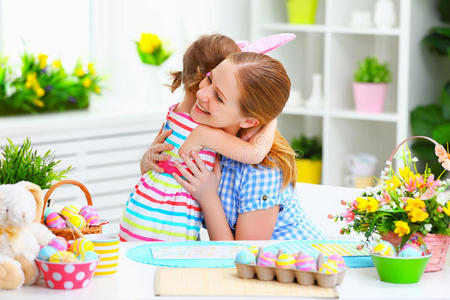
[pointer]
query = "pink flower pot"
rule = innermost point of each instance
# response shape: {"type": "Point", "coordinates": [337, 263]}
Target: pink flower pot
{"type": "Point", "coordinates": [369, 97]}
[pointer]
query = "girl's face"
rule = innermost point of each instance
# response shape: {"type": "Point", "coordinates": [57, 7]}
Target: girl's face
{"type": "Point", "coordinates": [217, 103]}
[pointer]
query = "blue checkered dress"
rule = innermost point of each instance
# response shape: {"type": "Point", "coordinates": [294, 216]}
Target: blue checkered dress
{"type": "Point", "coordinates": [245, 188]}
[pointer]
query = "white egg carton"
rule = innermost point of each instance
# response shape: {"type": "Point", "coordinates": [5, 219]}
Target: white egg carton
{"type": "Point", "coordinates": [291, 275]}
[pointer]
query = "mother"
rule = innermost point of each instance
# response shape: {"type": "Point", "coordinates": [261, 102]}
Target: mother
{"type": "Point", "coordinates": [246, 202]}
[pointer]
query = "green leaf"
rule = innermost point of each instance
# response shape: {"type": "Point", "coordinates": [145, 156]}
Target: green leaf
{"type": "Point", "coordinates": [425, 118]}
{"type": "Point", "coordinates": [441, 134]}
{"type": "Point", "coordinates": [444, 10]}
{"type": "Point", "coordinates": [444, 101]}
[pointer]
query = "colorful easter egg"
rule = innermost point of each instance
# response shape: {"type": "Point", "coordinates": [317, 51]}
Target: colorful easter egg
{"type": "Point", "coordinates": [55, 221]}
{"type": "Point", "coordinates": [46, 252]}
{"type": "Point", "coordinates": [267, 259]}
{"type": "Point", "coordinates": [69, 211]}
{"type": "Point", "coordinates": [62, 257]}
{"type": "Point", "coordinates": [245, 257]}
{"type": "Point", "coordinates": [85, 209]}
{"type": "Point", "coordinates": [59, 243]}
{"type": "Point", "coordinates": [92, 218]}
{"type": "Point", "coordinates": [339, 260]}
{"type": "Point", "coordinates": [410, 250]}
{"type": "Point", "coordinates": [254, 250]}
{"type": "Point", "coordinates": [81, 246]}
{"type": "Point", "coordinates": [329, 267]}
{"type": "Point", "coordinates": [46, 212]}
{"type": "Point", "coordinates": [384, 248]}
{"type": "Point", "coordinates": [88, 256]}
{"type": "Point", "coordinates": [77, 221]}
{"type": "Point", "coordinates": [305, 262]}
{"type": "Point", "coordinates": [285, 261]}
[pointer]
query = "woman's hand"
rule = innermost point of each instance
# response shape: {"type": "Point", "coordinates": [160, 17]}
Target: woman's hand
{"type": "Point", "coordinates": [202, 184]}
{"type": "Point", "coordinates": [153, 154]}
{"type": "Point", "coordinates": [192, 142]}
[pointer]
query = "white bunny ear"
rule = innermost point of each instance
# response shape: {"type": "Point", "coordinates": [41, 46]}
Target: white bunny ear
{"type": "Point", "coordinates": [269, 43]}
{"type": "Point", "coordinates": [243, 45]}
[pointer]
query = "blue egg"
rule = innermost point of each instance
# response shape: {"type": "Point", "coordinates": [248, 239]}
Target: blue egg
{"type": "Point", "coordinates": [410, 252]}
{"type": "Point", "coordinates": [88, 256]}
{"type": "Point", "coordinates": [245, 257]}
{"type": "Point", "coordinates": [46, 252]}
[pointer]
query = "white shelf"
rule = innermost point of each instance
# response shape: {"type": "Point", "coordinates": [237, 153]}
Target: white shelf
{"type": "Point", "coordinates": [302, 111]}
{"type": "Point", "coordinates": [365, 31]}
{"type": "Point", "coordinates": [286, 27]}
{"type": "Point", "coordinates": [353, 115]}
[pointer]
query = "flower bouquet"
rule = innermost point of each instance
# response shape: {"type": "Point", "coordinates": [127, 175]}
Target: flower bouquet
{"type": "Point", "coordinates": [43, 87]}
{"type": "Point", "coordinates": [152, 50]}
{"type": "Point", "coordinates": [404, 203]}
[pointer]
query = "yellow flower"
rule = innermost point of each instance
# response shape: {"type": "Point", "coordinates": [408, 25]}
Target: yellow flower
{"type": "Point", "coordinates": [447, 209]}
{"type": "Point", "coordinates": [38, 103]}
{"type": "Point", "coordinates": [42, 60]}
{"type": "Point", "coordinates": [87, 82]}
{"type": "Point", "coordinates": [372, 205]}
{"type": "Point", "coordinates": [79, 72]}
{"type": "Point", "coordinates": [40, 92]}
{"type": "Point", "coordinates": [97, 90]}
{"type": "Point", "coordinates": [414, 204]}
{"type": "Point", "coordinates": [401, 228]}
{"type": "Point", "coordinates": [393, 183]}
{"type": "Point", "coordinates": [149, 43]}
{"type": "Point", "coordinates": [417, 215]}
{"type": "Point", "coordinates": [406, 173]}
{"type": "Point", "coordinates": [31, 80]}
{"type": "Point", "coordinates": [91, 68]}
{"type": "Point", "coordinates": [362, 204]}
{"type": "Point", "coordinates": [57, 64]}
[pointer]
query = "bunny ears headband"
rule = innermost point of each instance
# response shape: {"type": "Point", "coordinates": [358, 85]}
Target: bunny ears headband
{"type": "Point", "coordinates": [267, 43]}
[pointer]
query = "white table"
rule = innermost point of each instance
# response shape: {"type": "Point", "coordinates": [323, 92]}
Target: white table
{"type": "Point", "coordinates": [135, 281]}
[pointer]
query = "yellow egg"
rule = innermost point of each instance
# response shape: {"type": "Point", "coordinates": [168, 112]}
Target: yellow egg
{"type": "Point", "coordinates": [81, 246]}
{"type": "Point", "coordinates": [77, 221]}
{"type": "Point", "coordinates": [62, 257]}
{"type": "Point", "coordinates": [69, 211]}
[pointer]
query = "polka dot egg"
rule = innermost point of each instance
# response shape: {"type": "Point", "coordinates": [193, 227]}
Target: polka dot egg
{"type": "Point", "coordinates": [339, 260]}
{"type": "Point", "coordinates": [384, 249]}
{"type": "Point", "coordinates": [62, 257]}
{"type": "Point", "coordinates": [305, 262]}
{"type": "Point", "coordinates": [81, 246]}
{"type": "Point", "coordinates": [55, 221]}
{"type": "Point", "coordinates": [329, 267]}
{"type": "Point", "coordinates": [77, 221]}
{"type": "Point", "coordinates": [69, 211]}
{"type": "Point", "coordinates": [245, 257]}
{"type": "Point", "coordinates": [46, 252]}
{"type": "Point", "coordinates": [285, 261]}
{"type": "Point", "coordinates": [59, 243]}
{"type": "Point", "coordinates": [267, 259]}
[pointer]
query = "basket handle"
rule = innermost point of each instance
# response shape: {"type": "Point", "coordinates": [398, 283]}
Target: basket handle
{"type": "Point", "coordinates": [63, 182]}
{"type": "Point", "coordinates": [410, 138]}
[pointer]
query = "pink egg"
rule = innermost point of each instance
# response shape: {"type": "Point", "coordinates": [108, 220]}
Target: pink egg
{"type": "Point", "coordinates": [59, 243]}
{"type": "Point", "coordinates": [86, 209]}
{"type": "Point", "coordinates": [339, 260]}
{"type": "Point", "coordinates": [267, 259]}
{"type": "Point", "coordinates": [92, 218]}
{"type": "Point", "coordinates": [55, 221]}
{"type": "Point", "coordinates": [305, 262]}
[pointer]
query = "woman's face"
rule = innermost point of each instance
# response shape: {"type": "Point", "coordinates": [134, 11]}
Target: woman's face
{"type": "Point", "coordinates": [217, 103]}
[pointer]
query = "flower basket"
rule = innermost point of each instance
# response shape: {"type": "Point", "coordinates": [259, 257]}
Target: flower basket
{"type": "Point", "coordinates": [437, 244]}
{"type": "Point", "coordinates": [67, 232]}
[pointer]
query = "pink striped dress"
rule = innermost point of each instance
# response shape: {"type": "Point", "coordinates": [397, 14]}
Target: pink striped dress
{"type": "Point", "coordinates": [159, 208]}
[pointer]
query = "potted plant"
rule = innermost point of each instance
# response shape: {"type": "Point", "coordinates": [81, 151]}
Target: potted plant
{"type": "Point", "coordinates": [308, 158]}
{"type": "Point", "coordinates": [405, 203]}
{"type": "Point", "coordinates": [369, 88]}
{"type": "Point", "coordinates": [301, 11]}
{"type": "Point", "coordinates": [22, 162]}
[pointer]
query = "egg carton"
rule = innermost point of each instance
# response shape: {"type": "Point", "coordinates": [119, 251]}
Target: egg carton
{"type": "Point", "coordinates": [289, 275]}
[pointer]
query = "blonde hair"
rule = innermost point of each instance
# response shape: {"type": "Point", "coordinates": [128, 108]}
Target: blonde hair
{"type": "Point", "coordinates": [201, 57]}
{"type": "Point", "coordinates": [264, 87]}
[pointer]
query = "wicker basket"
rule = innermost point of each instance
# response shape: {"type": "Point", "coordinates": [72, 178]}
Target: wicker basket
{"type": "Point", "coordinates": [437, 244]}
{"type": "Point", "coordinates": [68, 233]}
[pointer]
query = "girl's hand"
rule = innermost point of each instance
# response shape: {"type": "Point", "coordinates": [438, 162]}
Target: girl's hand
{"type": "Point", "coordinates": [153, 154]}
{"type": "Point", "coordinates": [192, 142]}
{"type": "Point", "coordinates": [202, 184]}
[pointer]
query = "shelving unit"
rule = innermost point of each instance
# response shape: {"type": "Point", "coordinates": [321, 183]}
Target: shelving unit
{"type": "Point", "coordinates": [332, 48]}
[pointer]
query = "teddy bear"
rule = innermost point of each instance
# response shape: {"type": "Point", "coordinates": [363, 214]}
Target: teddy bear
{"type": "Point", "coordinates": [21, 233]}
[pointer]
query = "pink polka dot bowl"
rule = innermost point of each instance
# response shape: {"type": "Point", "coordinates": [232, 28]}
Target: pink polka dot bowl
{"type": "Point", "coordinates": [67, 276]}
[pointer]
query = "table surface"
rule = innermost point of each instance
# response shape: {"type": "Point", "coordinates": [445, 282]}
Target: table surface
{"type": "Point", "coordinates": [135, 281]}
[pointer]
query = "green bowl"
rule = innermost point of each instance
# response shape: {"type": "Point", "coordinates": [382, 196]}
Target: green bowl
{"type": "Point", "coordinates": [400, 269]}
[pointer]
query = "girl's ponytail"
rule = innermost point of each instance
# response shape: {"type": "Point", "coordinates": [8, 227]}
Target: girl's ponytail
{"type": "Point", "coordinates": [176, 80]}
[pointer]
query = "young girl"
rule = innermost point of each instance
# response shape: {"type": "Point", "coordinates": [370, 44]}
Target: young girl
{"type": "Point", "coordinates": [242, 201]}
{"type": "Point", "coordinates": [160, 209]}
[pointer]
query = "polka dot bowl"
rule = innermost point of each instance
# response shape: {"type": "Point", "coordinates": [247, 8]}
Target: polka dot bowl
{"type": "Point", "coordinates": [67, 276]}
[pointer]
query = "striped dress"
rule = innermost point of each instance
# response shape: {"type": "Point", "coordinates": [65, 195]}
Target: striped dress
{"type": "Point", "coordinates": [159, 208]}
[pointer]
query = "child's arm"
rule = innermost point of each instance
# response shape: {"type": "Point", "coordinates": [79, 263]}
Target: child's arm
{"type": "Point", "coordinates": [251, 152]}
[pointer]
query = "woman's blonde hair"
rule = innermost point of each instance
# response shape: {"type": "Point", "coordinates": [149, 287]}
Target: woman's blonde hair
{"type": "Point", "coordinates": [203, 55]}
{"type": "Point", "coordinates": [264, 87]}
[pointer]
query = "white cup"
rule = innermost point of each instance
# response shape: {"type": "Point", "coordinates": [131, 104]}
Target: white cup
{"type": "Point", "coordinates": [361, 18]}
{"type": "Point", "coordinates": [360, 182]}
{"type": "Point", "coordinates": [361, 164]}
